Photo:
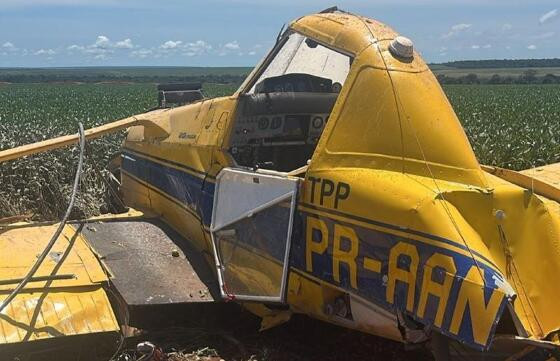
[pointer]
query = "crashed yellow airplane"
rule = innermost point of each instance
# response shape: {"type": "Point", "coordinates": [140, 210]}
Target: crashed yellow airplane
{"type": "Point", "coordinates": [336, 182]}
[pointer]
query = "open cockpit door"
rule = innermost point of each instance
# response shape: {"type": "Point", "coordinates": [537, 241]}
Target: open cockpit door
{"type": "Point", "coordinates": [251, 232]}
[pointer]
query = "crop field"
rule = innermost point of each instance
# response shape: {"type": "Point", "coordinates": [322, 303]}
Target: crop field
{"type": "Point", "coordinates": [512, 126]}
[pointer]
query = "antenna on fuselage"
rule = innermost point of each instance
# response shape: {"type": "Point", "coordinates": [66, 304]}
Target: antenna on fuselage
{"type": "Point", "coordinates": [332, 9]}
{"type": "Point", "coordinates": [280, 33]}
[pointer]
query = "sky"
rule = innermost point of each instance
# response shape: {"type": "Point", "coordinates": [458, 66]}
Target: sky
{"type": "Point", "coordinates": [63, 33]}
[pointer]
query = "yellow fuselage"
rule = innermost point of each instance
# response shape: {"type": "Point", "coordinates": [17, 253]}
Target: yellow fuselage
{"type": "Point", "coordinates": [395, 211]}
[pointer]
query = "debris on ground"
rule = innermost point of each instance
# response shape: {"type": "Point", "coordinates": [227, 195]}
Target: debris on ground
{"type": "Point", "coordinates": [239, 340]}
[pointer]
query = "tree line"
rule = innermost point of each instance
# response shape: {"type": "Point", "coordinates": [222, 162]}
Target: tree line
{"type": "Point", "coordinates": [503, 63]}
{"type": "Point", "coordinates": [34, 77]}
{"type": "Point", "coordinates": [527, 77]}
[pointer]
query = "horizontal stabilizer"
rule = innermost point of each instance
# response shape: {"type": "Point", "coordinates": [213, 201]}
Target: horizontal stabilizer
{"type": "Point", "coordinates": [549, 174]}
{"type": "Point", "coordinates": [55, 143]}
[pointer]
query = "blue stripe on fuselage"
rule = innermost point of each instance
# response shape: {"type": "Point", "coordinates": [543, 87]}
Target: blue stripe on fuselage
{"type": "Point", "coordinates": [188, 189]}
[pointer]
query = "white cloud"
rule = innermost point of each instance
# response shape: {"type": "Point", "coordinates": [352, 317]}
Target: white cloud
{"type": "Point", "coordinates": [234, 45]}
{"type": "Point", "coordinates": [532, 47]}
{"type": "Point", "coordinates": [75, 47]}
{"type": "Point", "coordinates": [198, 47]}
{"type": "Point", "coordinates": [487, 46]}
{"type": "Point", "coordinates": [141, 53]}
{"type": "Point", "coordinates": [507, 27]}
{"type": "Point", "coordinates": [49, 52]}
{"type": "Point", "coordinates": [9, 47]}
{"type": "Point", "coordinates": [102, 42]}
{"type": "Point", "coordinates": [124, 44]}
{"type": "Point", "coordinates": [102, 48]}
{"type": "Point", "coordinates": [475, 47]}
{"type": "Point", "coordinates": [170, 44]}
{"type": "Point", "coordinates": [548, 16]}
{"type": "Point", "coordinates": [460, 27]}
{"type": "Point", "coordinates": [174, 47]}
{"type": "Point", "coordinates": [199, 44]}
{"type": "Point", "coordinates": [96, 51]}
{"type": "Point", "coordinates": [252, 53]}
{"type": "Point", "coordinates": [456, 29]}
{"type": "Point", "coordinates": [99, 50]}
{"type": "Point", "coordinates": [228, 48]}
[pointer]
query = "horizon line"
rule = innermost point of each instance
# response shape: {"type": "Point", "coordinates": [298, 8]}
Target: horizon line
{"type": "Point", "coordinates": [234, 66]}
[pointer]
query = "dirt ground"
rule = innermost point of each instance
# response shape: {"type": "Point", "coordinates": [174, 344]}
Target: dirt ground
{"type": "Point", "coordinates": [224, 332]}
{"type": "Point", "coordinates": [237, 339]}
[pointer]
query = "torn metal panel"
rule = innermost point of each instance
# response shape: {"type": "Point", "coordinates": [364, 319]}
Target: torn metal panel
{"type": "Point", "coordinates": [151, 264]}
{"type": "Point", "coordinates": [59, 312]}
{"type": "Point", "coordinates": [432, 280]}
{"type": "Point", "coordinates": [66, 295]}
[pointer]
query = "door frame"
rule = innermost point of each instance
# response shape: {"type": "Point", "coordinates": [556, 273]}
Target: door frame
{"type": "Point", "coordinates": [292, 196]}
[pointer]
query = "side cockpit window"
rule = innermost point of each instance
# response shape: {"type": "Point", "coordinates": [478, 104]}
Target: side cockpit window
{"type": "Point", "coordinates": [283, 114]}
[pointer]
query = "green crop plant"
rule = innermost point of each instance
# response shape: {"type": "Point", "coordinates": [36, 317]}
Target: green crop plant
{"type": "Point", "coordinates": [511, 126]}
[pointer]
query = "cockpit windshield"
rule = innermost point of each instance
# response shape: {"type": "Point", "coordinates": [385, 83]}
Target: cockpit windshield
{"type": "Point", "coordinates": [281, 118]}
{"type": "Point", "coordinates": [303, 65]}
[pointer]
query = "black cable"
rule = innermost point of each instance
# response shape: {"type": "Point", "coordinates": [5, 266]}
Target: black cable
{"type": "Point", "coordinates": [61, 226]}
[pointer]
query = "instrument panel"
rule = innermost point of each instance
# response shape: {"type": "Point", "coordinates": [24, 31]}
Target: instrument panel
{"type": "Point", "coordinates": [275, 129]}
{"type": "Point", "coordinates": [295, 82]}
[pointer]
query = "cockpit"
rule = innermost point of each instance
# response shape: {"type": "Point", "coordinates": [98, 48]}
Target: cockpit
{"type": "Point", "coordinates": [282, 116]}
